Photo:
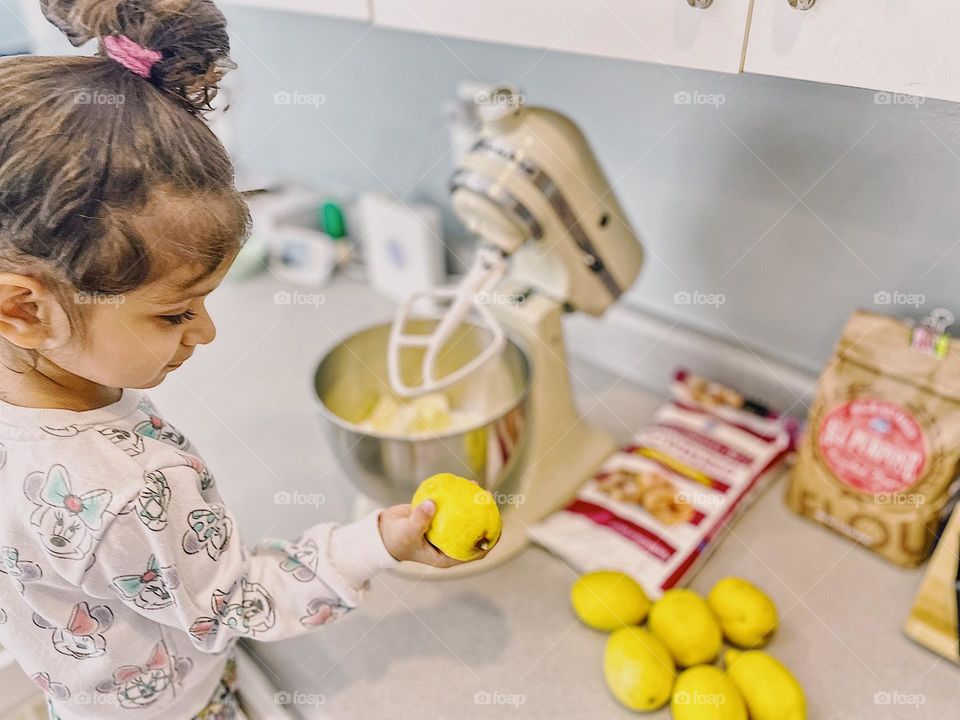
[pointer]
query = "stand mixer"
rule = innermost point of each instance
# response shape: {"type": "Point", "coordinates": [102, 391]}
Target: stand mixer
{"type": "Point", "coordinates": [553, 239]}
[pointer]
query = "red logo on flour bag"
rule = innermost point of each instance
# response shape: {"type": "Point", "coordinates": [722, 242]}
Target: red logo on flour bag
{"type": "Point", "coordinates": [873, 445]}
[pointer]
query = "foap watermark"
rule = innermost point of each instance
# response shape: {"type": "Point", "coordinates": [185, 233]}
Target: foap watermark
{"type": "Point", "coordinates": [700, 699]}
{"type": "Point", "coordinates": [696, 97]}
{"type": "Point", "coordinates": [284, 497]}
{"type": "Point", "coordinates": [699, 499]}
{"type": "Point", "coordinates": [500, 298]}
{"type": "Point", "coordinates": [495, 697]}
{"type": "Point", "coordinates": [299, 98]}
{"type": "Point", "coordinates": [285, 297]}
{"type": "Point", "coordinates": [97, 698]}
{"type": "Point", "coordinates": [98, 298]}
{"type": "Point", "coordinates": [898, 297]}
{"type": "Point", "coordinates": [98, 97]}
{"type": "Point", "coordinates": [895, 697]}
{"type": "Point", "coordinates": [695, 297]}
{"type": "Point", "coordinates": [295, 697]}
{"type": "Point", "coordinates": [899, 499]}
{"type": "Point", "coordinates": [889, 98]}
{"type": "Point", "coordinates": [503, 499]}
{"type": "Point", "coordinates": [506, 98]}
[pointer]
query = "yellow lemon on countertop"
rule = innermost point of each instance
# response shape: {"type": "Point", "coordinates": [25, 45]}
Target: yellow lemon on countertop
{"type": "Point", "coordinates": [687, 626]}
{"type": "Point", "coordinates": [770, 691]}
{"type": "Point", "coordinates": [704, 692]}
{"type": "Point", "coordinates": [606, 600]}
{"type": "Point", "coordinates": [747, 615]}
{"type": "Point", "coordinates": [467, 522]}
{"type": "Point", "coordinates": [638, 668]}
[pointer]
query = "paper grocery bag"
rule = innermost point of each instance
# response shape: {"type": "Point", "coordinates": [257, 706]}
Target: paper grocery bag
{"type": "Point", "coordinates": [882, 440]}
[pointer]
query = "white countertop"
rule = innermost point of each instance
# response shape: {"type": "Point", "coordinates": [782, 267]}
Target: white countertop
{"type": "Point", "coordinates": [430, 649]}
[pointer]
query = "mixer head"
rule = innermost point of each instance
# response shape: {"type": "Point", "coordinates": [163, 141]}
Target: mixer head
{"type": "Point", "coordinates": [532, 186]}
{"type": "Point", "coordinates": [531, 189]}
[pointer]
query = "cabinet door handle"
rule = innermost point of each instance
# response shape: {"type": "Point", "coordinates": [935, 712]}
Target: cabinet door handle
{"type": "Point", "coordinates": [700, 4]}
{"type": "Point", "coordinates": [801, 4]}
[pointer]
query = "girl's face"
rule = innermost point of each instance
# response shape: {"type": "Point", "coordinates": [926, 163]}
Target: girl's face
{"type": "Point", "coordinates": [133, 340]}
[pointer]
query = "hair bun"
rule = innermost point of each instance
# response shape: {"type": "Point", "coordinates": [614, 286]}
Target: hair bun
{"type": "Point", "coordinates": [190, 34]}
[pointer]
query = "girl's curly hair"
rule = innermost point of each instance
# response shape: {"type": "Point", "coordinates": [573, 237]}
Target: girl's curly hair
{"type": "Point", "coordinates": [87, 149]}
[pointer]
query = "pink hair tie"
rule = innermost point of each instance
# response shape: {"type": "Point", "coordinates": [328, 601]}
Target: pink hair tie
{"type": "Point", "coordinates": [133, 56]}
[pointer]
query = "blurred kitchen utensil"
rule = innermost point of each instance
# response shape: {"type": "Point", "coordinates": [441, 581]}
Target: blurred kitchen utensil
{"type": "Point", "coordinates": [402, 245]}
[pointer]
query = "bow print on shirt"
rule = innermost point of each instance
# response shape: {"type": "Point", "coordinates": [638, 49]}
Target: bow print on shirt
{"type": "Point", "coordinates": [199, 467]}
{"type": "Point", "coordinates": [65, 521]}
{"type": "Point", "coordinates": [82, 636]}
{"type": "Point", "coordinates": [150, 589]}
{"type": "Point", "coordinates": [54, 689]}
{"type": "Point", "coordinates": [137, 686]}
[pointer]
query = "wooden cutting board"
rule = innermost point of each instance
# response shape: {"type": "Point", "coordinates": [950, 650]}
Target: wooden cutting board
{"type": "Point", "coordinates": [933, 618]}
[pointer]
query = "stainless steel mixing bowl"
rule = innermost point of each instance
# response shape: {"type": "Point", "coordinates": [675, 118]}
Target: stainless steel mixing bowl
{"type": "Point", "coordinates": [352, 377]}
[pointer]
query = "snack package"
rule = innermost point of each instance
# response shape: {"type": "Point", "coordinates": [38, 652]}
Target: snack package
{"type": "Point", "coordinates": [658, 506]}
{"type": "Point", "coordinates": [883, 437]}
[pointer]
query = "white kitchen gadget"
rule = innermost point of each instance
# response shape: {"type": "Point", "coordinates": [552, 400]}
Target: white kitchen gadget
{"type": "Point", "coordinates": [402, 245]}
{"type": "Point", "coordinates": [302, 255]}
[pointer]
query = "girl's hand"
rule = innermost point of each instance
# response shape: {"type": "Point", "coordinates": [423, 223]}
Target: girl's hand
{"type": "Point", "coordinates": [403, 530]}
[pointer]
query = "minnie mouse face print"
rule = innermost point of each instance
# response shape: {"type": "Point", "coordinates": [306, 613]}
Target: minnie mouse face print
{"type": "Point", "coordinates": [82, 637]}
{"type": "Point", "coordinates": [138, 686]}
{"type": "Point", "coordinates": [67, 522]}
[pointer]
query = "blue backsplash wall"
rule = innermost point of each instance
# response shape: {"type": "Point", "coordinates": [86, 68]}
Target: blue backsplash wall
{"type": "Point", "coordinates": [792, 202]}
{"type": "Point", "coordinates": [13, 33]}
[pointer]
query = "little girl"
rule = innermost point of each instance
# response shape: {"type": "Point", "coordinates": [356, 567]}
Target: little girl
{"type": "Point", "coordinates": [124, 584]}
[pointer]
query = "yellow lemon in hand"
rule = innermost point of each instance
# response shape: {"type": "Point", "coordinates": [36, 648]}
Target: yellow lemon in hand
{"type": "Point", "coordinates": [467, 522]}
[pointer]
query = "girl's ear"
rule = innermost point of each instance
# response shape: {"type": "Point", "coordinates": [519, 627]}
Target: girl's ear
{"type": "Point", "coordinates": [31, 316]}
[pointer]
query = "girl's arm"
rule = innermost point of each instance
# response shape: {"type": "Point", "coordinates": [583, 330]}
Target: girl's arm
{"type": "Point", "coordinates": [186, 567]}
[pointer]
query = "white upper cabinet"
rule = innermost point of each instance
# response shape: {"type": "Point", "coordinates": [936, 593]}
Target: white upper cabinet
{"type": "Point", "coordinates": [347, 9]}
{"type": "Point", "coordinates": [671, 32]}
{"type": "Point", "coordinates": [45, 39]}
{"type": "Point", "coordinates": [899, 46]}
